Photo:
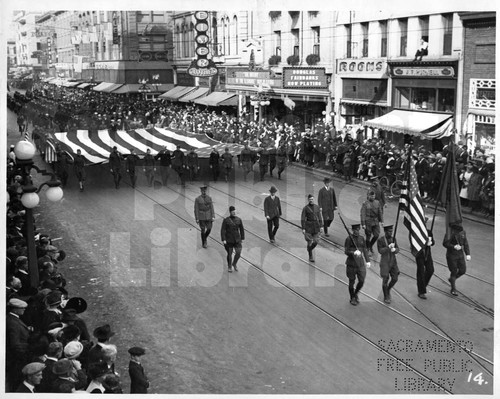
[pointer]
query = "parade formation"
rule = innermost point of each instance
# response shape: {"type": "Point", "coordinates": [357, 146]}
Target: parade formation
{"type": "Point", "coordinates": [340, 252]}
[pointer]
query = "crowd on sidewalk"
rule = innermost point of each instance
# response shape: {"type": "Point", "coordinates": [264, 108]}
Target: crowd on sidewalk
{"type": "Point", "coordinates": [48, 345]}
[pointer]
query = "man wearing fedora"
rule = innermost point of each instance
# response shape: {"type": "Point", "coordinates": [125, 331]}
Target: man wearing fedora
{"type": "Point", "coordinates": [63, 369]}
{"type": "Point", "coordinates": [32, 377]}
{"type": "Point", "coordinates": [388, 248]}
{"type": "Point", "coordinates": [204, 214]}
{"type": "Point", "coordinates": [102, 334]}
{"type": "Point", "coordinates": [312, 224]}
{"type": "Point", "coordinates": [327, 201]}
{"type": "Point", "coordinates": [356, 263]}
{"type": "Point", "coordinates": [232, 234]}
{"type": "Point", "coordinates": [457, 252]}
{"type": "Point", "coordinates": [139, 382]}
{"type": "Point", "coordinates": [272, 212]}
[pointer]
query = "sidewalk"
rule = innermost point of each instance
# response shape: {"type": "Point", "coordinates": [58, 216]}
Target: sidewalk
{"type": "Point", "coordinates": [323, 172]}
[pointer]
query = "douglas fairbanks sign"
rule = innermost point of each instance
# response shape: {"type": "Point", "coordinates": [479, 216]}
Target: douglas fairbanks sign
{"type": "Point", "coordinates": [304, 78]}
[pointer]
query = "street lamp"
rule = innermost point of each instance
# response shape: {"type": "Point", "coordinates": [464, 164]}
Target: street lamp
{"type": "Point", "coordinates": [260, 100]}
{"type": "Point", "coordinates": [25, 151]}
{"type": "Point", "coordinates": [156, 82]}
{"type": "Point", "coordinates": [144, 88]}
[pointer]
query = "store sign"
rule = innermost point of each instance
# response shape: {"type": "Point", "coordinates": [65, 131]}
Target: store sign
{"type": "Point", "coordinates": [365, 67]}
{"type": "Point", "coordinates": [183, 79]}
{"type": "Point", "coordinates": [251, 78]}
{"type": "Point", "coordinates": [427, 72]}
{"type": "Point", "coordinates": [202, 65]}
{"type": "Point", "coordinates": [116, 39]}
{"type": "Point", "coordinates": [304, 78]}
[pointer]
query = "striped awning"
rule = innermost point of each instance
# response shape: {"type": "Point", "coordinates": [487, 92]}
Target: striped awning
{"type": "Point", "coordinates": [216, 98]}
{"type": "Point", "coordinates": [190, 97]}
{"type": "Point", "coordinates": [426, 125]}
{"type": "Point", "coordinates": [177, 92]}
{"type": "Point", "coordinates": [97, 147]}
{"type": "Point", "coordinates": [102, 86]}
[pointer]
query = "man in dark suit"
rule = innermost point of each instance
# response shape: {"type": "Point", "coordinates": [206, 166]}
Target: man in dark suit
{"type": "Point", "coordinates": [327, 201]}
{"type": "Point", "coordinates": [272, 212]}
{"type": "Point", "coordinates": [52, 355]}
{"type": "Point", "coordinates": [32, 377]}
{"type": "Point", "coordinates": [138, 381]}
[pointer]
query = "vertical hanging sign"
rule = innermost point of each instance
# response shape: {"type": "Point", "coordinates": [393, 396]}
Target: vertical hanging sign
{"type": "Point", "coordinates": [202, 65]}
{"type": "Point", "coordinates": [116, 39]}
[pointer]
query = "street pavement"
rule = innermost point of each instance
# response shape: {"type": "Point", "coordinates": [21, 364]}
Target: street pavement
{"type": "Point", "coordinates": [280, 324]}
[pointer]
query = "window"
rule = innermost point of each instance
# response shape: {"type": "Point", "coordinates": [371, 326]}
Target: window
{"type": "Point", "coordinates": [277, 42]}
{"type": "Point", "coordinates": [295, 34]}
{"type": "Point", "coordinates": [144, 17]}
{"type": "Point", "coordinates": [348, 29]}
{"type": "Point", "coordinates": [383, 38]}
{"type": "Point", "coordinates": [315, 32]}
{"type": "Point", "coordinates": [364, 30]}
{"type": "Point", "coordinates": [403, 29]}
{"type": "Point", "coordinates": [448, 33]}
{"type": "Point", "coordinates": [158, 17]}
{"type": "Point", "coordinates": [425, 99]}
{"type": "Point", "coordinates": [424, 26]}
{"type": "Point", "coordinates": [235, 30]}
{"type": "Point", "coordinates": [215, 37]}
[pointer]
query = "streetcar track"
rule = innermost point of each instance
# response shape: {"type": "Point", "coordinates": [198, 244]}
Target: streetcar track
{"type": "Point", "coordinates": [468, 301]}
{"type": "Point", "coordinates": [441, 334]}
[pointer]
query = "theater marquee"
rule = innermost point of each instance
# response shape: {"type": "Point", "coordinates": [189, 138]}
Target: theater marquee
{"type": "Point", "coordinates": [304, 78]}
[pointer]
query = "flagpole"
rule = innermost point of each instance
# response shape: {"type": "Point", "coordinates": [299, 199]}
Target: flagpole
{"type": "Point", "coordinates": [406, 177]}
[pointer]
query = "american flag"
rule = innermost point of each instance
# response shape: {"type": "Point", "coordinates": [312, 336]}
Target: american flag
{"type": "Point", "coordinates": [50, 153]}
{"type": "Point", "coordinates": [410, 203]}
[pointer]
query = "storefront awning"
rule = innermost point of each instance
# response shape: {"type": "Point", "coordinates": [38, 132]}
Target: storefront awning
{"type": "Point", "coordinates": [48, 79]}
{"type": "Point", "coordinates": [113, 86]}
{"type": "Point", "coordinates": [83, 85]}
{"type": "Point", "coordinates": [199, 92]}
{"type": "Point", "coordinates": [177, 92]}
{"type": "Point", "coordinates": [71, 84]}
{"type": "Point", "coordinates": [102, 86]}
{"type": "Point", "coordinates": [217, 98]}
{"type": "Point", "coordinates": [427, 125]}
{"type": "Point", "coordinates": [364, 102]}
{"type": "Point", "coordinates": [134, 88]}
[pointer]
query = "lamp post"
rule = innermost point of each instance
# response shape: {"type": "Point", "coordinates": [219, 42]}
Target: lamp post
{"type": "Point", "coordinates": [156, 83]}
{"type": "Point", "coordinates": [260, 100]}
{"type": "Point", "coordinates": [25, 151]}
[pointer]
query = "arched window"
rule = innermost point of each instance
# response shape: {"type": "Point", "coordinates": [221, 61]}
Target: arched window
{"type": "Point", "coordinates": [224, 34]}
{"type": "Point", "coordinates": [235, 34]}
{"type": "Point", "coordinates": [228, 36]}
{"type": "Point", "coordinates": [178, 42]}
{"type": "Point", "coordinates": [191, 41]}
{"type": "Point", "coordinates": [184, 40]}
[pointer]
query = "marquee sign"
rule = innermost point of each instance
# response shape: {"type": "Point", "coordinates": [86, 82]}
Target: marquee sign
{"type": "Point", "coordinates": [244, 77]}
{"type": "Point", "coordinates": [420, 72]}
{"type": "Point", "coordinates": [202, 65]}
{"type": "Point", "coordinates": [304, 78]}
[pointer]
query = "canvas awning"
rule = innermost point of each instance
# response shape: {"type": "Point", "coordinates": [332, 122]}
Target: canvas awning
{"type": "Point", "coordinates": [71, 84]}
{"type": "Point", "coordinates": [83, 85]}
{"type": "Point", "coordinates": [113, 86]}
{"type": "Point", "coordinates": [427, 125]}
{"type": "Point", "coordinates": [199, 92]}
{"type": "Point", "coordinates": [217, 98]}
{"type": "Point", "coordinates": [177, 92]}
{"type": "Point", "coordinates": [134, 88]}
{"type": "Point", "coordinates": [101, 86]}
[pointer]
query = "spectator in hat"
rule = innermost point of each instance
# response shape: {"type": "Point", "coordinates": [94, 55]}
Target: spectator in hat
{"type": "Point", "coordinates": [17, 334]}
{"type": "Point", "coordinates": [388, 249]}
{"type": "Point", "coordinates": [14, 286]}
{"type": "Point", "coordinates": [131, 165]}
{"type": "Point", "coordinates": [214, 163]}
{"type": "Point", "coordinates": [272, 212]}
{"type": "Point", "coordinates": [425, 265]}
{"type": "Point", "coordinates": [112, 384]}
{"type": "Point", "coordinates": [358, 259]}
{"type": "Point", "coordinates": [457, 252]}
{"type": "Point", "coordinates": [312, 224]}
{"type": "Point", "coordinates": [109, 352]}
{"type": "Point", "coordinates": [32, 373]}
{"type": "Point", "coordinates": [53, 354]}
{"type": "Point", "coordinates": [204, 214]}
{"type": "Point", "coordinates": [149, 167]}
{"type": "Point", "coordinates": [97, 372]}
{"type": "Point", "coordinates": [372, 215]}
{"type": "Point", "coordinates": [52, 312]}
{"type": "Point", "coordinates": [102, 334]}
{"type": "Point", "coordinates": [165, 159]}
{"type": "Point", "coordinates": [327, 201]}
{"type": "Point", "coordinates": [232, 236]}
{"type": "Point", "coordinates": [138, 381]}
{"type": "Point", "coordinates": [63, 369]}
{"type": "Point", "coordinates": [73, 307]}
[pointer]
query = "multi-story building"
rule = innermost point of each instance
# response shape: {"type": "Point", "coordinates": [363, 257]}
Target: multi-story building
{"type": "Point", "coordinates": [27, 43]}
{"type": "Point", "coordinates": [11, 54]}
{"type": "Point", "coordinates": [478, 81]}
{"type": "Point", "coordinates": [381, 84]}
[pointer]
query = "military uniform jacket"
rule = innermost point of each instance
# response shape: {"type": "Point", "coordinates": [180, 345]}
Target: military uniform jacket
{"type": "Point", "coordinates": [204, 208]}
{"type": "Point", "coordinates": [387, 258]}
{"type": "Point", "coordinates": [164, 157]}
{"type": "Point", "coordinates": [227, 160]}
{"type": "Point", "coordinates": [115, 160]}
{"type": "Point", "coordinates": [371, 213]}
{"type": "Point", "coordinates": [214, 159]}
{"type": "Point", "coordinates": [149, 161]}
{"type": "Point", "coordinates": [327, 201]}
{"type": "Point", "coordinates": [131, 162]}
{"type": "Point", "coordinates": [311, 219]}
{"type": "Point", "coordinates": [246, 155]}
{"type": "Point", "coordinates": [272, 207]}
{"type": "Point", "coordinates": [349, 248]}
{"type": "Point", "coordinates": [460, 239]}
{"type": "Point", "coordinates": [177, 158]}
{"type": "Point", "coordinates": [192, 159]}
{"type": "Point", "coordinates": [232, 230]}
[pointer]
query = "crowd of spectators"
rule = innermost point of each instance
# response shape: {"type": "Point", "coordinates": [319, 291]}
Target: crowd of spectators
{"type": "Point", "coordinates": [48, 345]}
{"type": "Point", "coordinates": [51, 108]}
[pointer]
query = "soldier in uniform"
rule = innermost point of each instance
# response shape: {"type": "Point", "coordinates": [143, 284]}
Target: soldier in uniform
{"type": "Point", "coordinates": [281, 159]}
{"type": "Point", "coordinates": [312, 224]}
{"type": "Point", "coordinates": [213, 162]}
{"type": "Point", "coordinates": [165, 161]}
{"type": "Point", "coordinates": [357, 255]}
{"type": "Point", "coordinates": [232, 234]}
{"type": "Point", "coordinates": [149, 167]}
{"type": "Point", "coordinates": [204, 214]}
{"type": "Point", "coordinates": [115, 164]}
{"type": "Point", "coordinates": [79, 168]}
{"type": "Point", "coordinates": [263, 162]}
{"type": "Point", "coordinates": [372, 215]}
{"type": "Point", "coordinates": [457, 252]}
{"type": "Point", "coordinates": [388, 248]}
{"type": "Point", "coordinates": [272, 212]}
{"type": "Point", "coordinates": [227, 163]}
{"type": "Point", "coordinates": [63, 162]}
{"type": "Point", "coordinates": [130, 165]}
{"type": "Point", "coordinates": [246, 159]}
{"type": "Point", "coordinates": [425, 265]}
{"type": "Point", "coordinates": [178, 165]}
{"type": "Point", "coordinates": [327, 202]}
{"type": "Point", "coordinates": [193, 164]}
{"type": "Point", "coordinates": [272, 159]}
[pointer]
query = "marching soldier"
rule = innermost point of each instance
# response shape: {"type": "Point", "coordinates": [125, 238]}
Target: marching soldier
{"type": "Point", "coordinates": [214, 162]}
{"type": "Point", "coordinates": [371, 217]}
{"type": "Point", "coordinates": [327, 202]}
{"type": "Point", "coordinates": [149, 167]}
{"type": "Point", "coordinates": [312, 224]}
{"type": "Point", "coordinates": [115, 164]}
{"type": "Point", "coordinates": [457, 252]}
{"type": "Point", "coordinates": [204, 214]}
{"type": "Point", "coordinates": [178, 164]}
{"type": "Point", "coordinates": [165, 161]}
{"type": "Point", "coordinates": [246, 159]}
{"type": "Point", "coordinates": [193, 164]}
{"type": "Point", "coordinates": [227, 163]}
{"type": "Point", "coordinates": [131, 165]}
{"type": "Point", "coordinates": [281, 159]}
{"type": "Point", "coordinates": [388, 248]}
{"type": "Point", "coordinates": [357, 255]}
